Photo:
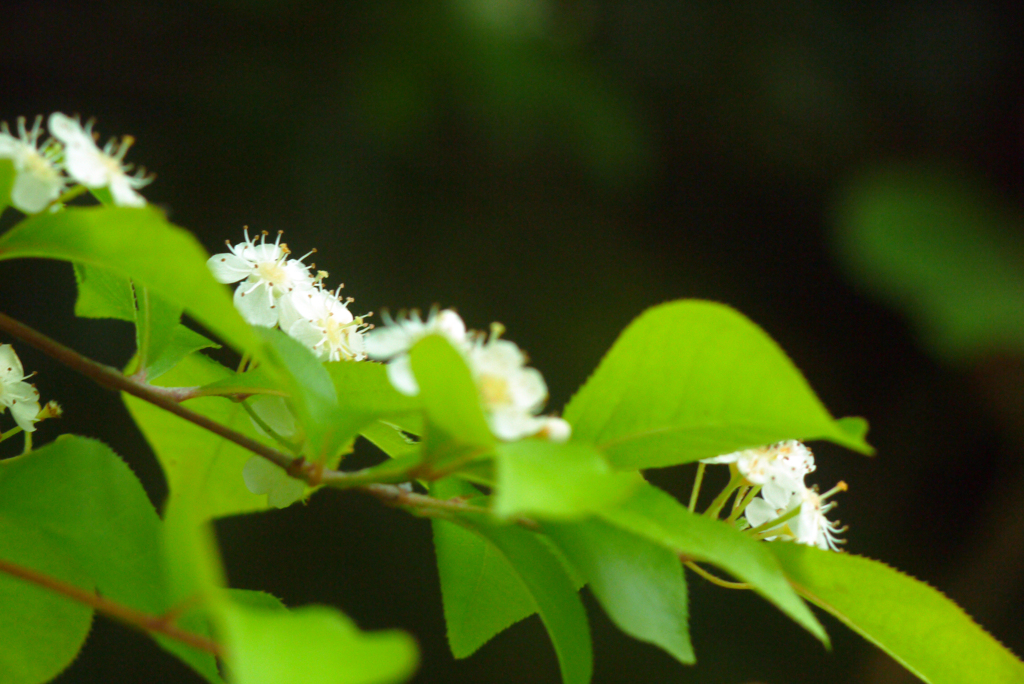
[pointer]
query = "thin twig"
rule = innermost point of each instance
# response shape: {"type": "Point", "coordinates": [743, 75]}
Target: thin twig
{"type": "Point", "coordinates": [122, 613]}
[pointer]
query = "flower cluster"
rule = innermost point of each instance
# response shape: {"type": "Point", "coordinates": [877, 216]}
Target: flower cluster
{"type": "Point", "coordinates": [16, 394]}
{"type": "Point", "coordinates": [276, 290]}
{"type": "Point", "coordinates": [511, 393]}
{"type": "Point", "coordinates": [40, 170]}
{"type": "Point", "coordinates": [797, 511]}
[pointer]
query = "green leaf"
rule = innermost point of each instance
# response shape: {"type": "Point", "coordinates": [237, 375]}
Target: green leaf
{"type": "Point", "coordinates": [639, 584]}
{"type": "Point", "coordinates": [363, 389]}
{"type": "Point", "coordinates": [449, 396]}
{"type": "Point", "coordinates": [556, 481]}
{"type": "Point", "coordinates": [922, 629]}
{"type": "Point", "coordinates": [482, 594]}
{"type": "Point", "coordinates": [945, 248]}
{"type": "Point", "coordinates": [194, 459]}
{"type": "Point", "coordinates": [103, 293]}
{"type": "Point", "coordinates": [544, 577]}
{"type": "Point", "coordinates": [41, 631]}
{"type": "Point", "coordinates": [80, 493]}
{"type": "Point", "coordinates": [389, 439]}
{"type": "Point", "coordinates": [156, 326]}
{"type": "Point", "coordinates": [655, 515]}
{"type": "Point", "coordinates": [310, 645]}
{"type": "Point", "coordinates": [7, 175]}
{"type": "Point", "coordinates": [689, 380]}
{"type": "Point", "coordinates": [137, 243]}
{"type": "Point", "coordinates": [181, 342]}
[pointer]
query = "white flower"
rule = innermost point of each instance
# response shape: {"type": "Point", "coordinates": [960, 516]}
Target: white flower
{"type": "Point", "coordinates": [809, 526]}
{"type": "Point", "coordinates": [38, 180]}
{"type": "Point", "coordinates": [263, 477]}
{"type": "Point", "coordinates": [512, 394]}
{"type": "Point", "coordinates": [15, 394]}
{"type": "Point", "coordinates": [269, 278]}
{"type": "Point", "coordinates": [780, 468]}
{"type": "Point", "coordinates": [325, 325]}
{"type": "Point", "coordinates": [394, 340]}
{"type": "Point", "coordinates": [96, 168]}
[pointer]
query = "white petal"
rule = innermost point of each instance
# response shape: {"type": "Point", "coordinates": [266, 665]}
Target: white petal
{"type": "Point", "coordinates": [123, 193]}
{"type": "Point", "coordinates": [24, 413]}
{"type": "Point", "coordinates": [31, 193]}
{"type": "Point", "coordinates": [85, 165]}
{"type": "Point", "coordinates": [557, 429]}
{"type": "Point", "coordinates": [401, 377]}
{"type": "Point", "coordinates": [512, 425]}
{"type": "Point", "coordinates": [254, 304]}
{"type": "Point", "coordinates": [10, 364]}
{"type": "Point", "coordinates": [759, 512]}
{"type": "Point", "coordinates": [69, 131]}
{"type": "Point", "coordinates": [228, 268]}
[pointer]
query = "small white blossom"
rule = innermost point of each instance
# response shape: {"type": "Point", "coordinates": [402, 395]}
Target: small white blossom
{"type": "Point", "coordinates": [263, 477]}
{"type": "Point", "coordinates": [96, 168]}
{"type": "Point", "coordinates": [270, 280]}
{"type": "Point", "coordinates": [15, 394]}
{"type": "Point", "coordinates": [38, 180]}
{"type": "Point", "coordinates": [810, 526]}
{"type": "Point", "coordinates": [323, 323]}
{"type": "Point", "coordinates": [780, 468]}
{"type": "Point", "coordinates": [511, 392]}
{"type": "Point", "coordinates": [394, 340]}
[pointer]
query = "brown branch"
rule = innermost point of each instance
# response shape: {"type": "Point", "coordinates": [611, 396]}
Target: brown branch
{"type": "Point", "coordinates": [133, 618]}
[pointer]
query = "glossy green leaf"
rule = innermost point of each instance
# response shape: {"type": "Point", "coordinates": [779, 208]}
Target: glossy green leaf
{"type": "Point", "coordinates": [41, 631]}
{"type": "Point", "coordinates": [655, 515]}
{"type": "Point", "coordinates": [162, 340]}
{"type": "Point", "coordinates": [544, 577]}
{"type": "Point", "coordinates": [389, 439]}
{"type": "Point", "coordinates": [482, 594]}
{"type": "Point", "coordinates": [7, 174]}
{"type": "Point", "coordinates": [180, 343]}
{"type": "Point", "coordinates": [449, 398]}
{"type": "Point", "coordinates": [922, 629]}
{"type": "Point", "coordinates": [193, 458]}
{"type": "Point", "coordinates": [310, 645]}
{"type": "Point", "coordinates": [95, 507]}
{"type": "Point", "coordinates": [142, 245]}
{"type": "Point", "coordinates": [103, 293]}
{"type": "Point", "coordinates": [691, 379]}
{"type": "Point", "coordinates": [639, 584]}
{"type": "Point", "coordinates": [556, 481]}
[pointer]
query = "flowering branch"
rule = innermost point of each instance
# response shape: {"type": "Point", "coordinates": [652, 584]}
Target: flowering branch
{"type": "Point", "coordinates": [161, 624]}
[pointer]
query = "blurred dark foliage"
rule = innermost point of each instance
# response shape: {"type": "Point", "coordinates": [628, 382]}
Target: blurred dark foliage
{"type": "Point", "coordinates": [560, 166]}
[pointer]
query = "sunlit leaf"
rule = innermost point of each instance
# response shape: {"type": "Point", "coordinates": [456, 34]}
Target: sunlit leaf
{"type": "Point", "coordinates": [639, 584]}
{"type": "Point", "coordinates": [556, 481]}
{"type": "Point", "coordinates": [922, 629]}
{"type": "Point", "coordinates": [654, 515]}
{"type": "Point", "coordinates": [692, 379]}
{"type": "Point", "coordinates": [103, 293]}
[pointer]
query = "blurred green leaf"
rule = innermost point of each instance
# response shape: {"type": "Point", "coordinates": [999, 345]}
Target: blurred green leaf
{"type": "Point", "coordinates": [915, 624]}
{"type": "Point", "coordinates": [103, 293]}
{"type": "Point", "coordinates": [83, 496]}
{"type": "Point", "coordinates": [448, 394]}
{"type": "Point", "coordinates": [639, 584]}
{"type": "Point", "coordinates": [691, 379]}
{"type": "Point", "coordinates": [550, 587]}
{"type": "Point", "coordinates": [180, 343]}
{"type": "Point", "coordinates": [193, 458]}
{"type": "Point", "coordinates": [556, 481]}
{"type": "Point", "coordinates": [655, 515]}
{"type": "Point", "coordinates": [943, 248]}
{"type": "Point", "coordinates": [310, 645]}
{"type": "Point", "coordinates": [482, 594]}
{"type": "Point", "coordinates": [41, 631]}
{"type": "Point", "coordinates": [7, 175]}
{"type": "Point", "coordinates": [142, 245]}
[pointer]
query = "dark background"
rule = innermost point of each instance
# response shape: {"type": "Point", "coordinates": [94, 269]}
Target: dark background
{"type": "Point", "coordinates": [561, 166]}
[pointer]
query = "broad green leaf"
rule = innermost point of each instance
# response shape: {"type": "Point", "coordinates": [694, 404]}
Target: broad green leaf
{"type": "Point", "coordinates": [691, 379]}
{"type": "Point", "coordinates": [310, 645]}
{"type": "Point", "coordinates": [556, 481]}
{"type": "Point", "coordinates": [103, 293]}
{"type": "Point", "coordinates": [482, 594]}
{"type": "Point", "coordinates": [137, 243]}
{"type": "Point", "coordinates": [363, 389]}
{"type": "Point", "coordinates": [41, 631]}
{"type": "Point", "coordinates": [193, 458]}
{"type": "Point", "coordinates": [450, 400]}
{"type": "Point", "coordinates": [253, 381]}
{"type": "Point", "coordinates": [639, 584]}
{"type": "Point", "coordinates": [6, 183]}
{"type": "Point", "coordinates": [544, 577]}
{"type": "Point", "coordinates": [655, 515]}
{"type": "Point", "coordinates": [95, 507]}
{"type": "Point", "coordinates": [389, 439]}
{"type": "Point", "coordinates": [945, 248]}
{"type": "Point", "coordinates": [255, 599]}
{"type": "Point", "coordinates": [181, 343]}
{"type": "Point", "coordinates": [922, 629]}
